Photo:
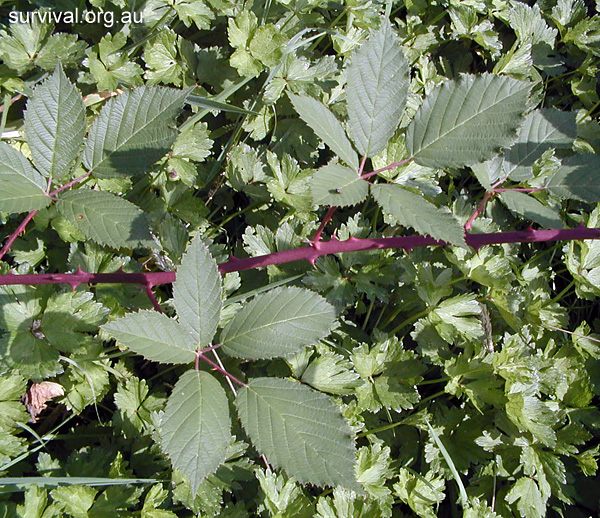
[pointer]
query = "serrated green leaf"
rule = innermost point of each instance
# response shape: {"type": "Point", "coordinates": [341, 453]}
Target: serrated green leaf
{"type": "Point", "coordinates": [12, 410]}
{"type": "Point", "coordinates": [299, 430]}
{"type": "Point", "coordinates": [578, 178]}
{"type": "Point", "coordinates": [466, 121]}
{"type": "Point", "coordinates": [195, 429]}
{"type": "Point", "coordinates": [55, 125]}
{"type": "Point", "coordinates": [326, 126]}
{"type": "Point", "coordinates": [28, 355]}
{"type": "Point", "coordinates": [197, 293]}
{"type": "Point", "coordinates": [106, 218]}
{"type": "Point", "coordinates": [414, 211]}
{"type": "Point", "coordinates": [338, 186]}
{"type": "Point", "coordinates": [542, 129]}
{"type": "Point", "coordinates": [153, 335]}
{"type": "Point", "coordinates": [532, 209]}
{"type": "Point", "coordinates": [530, 502]}
{"type": "Point", "coordinates": [331, 373]}
{"type": "Point", "coordinates": [277, 323]}
{"type": "Point", "coordinates": [22, 188]}
{"type": "Point", "coordinates": [133, 131]}
{"type": "Point", "coordinates": [378, 80]}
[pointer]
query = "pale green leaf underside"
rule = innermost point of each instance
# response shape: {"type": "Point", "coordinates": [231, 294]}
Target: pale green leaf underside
{"type": "Point", "coordinates": [532, 209]}
{"type": "Point", "coordinates": [466, 121]}
{"type": "Point", "coordinates": [378, 80]}
{"type": "Point", "coordinates": [326, 126]}
{"type": "Point", "coordinates": [22, 188]}
{"type": "Point", "coordinates": [299, 430]}
{"type": "Point", "coordinates": [542, 129]}
{"type": "Point", "coordinates": [195, 429]}
{"type": "Point", "coordinates": [412, 210]}
{"type": "Point", "coordinates": [338, 186]}
{"type": "Point", "coordinates": [153, 335]}
{"type": "Point", "coordinates": [277, 323]}
{"type": "Point", "coordinates": [106, 218]}
{"type": "Point", "coordinates": [133, 131]}
{"type": "Point", "coordinates": [578, 178]}
{"type": "Point", "coordinates": [55, 125]}
{"type": "Point", "coordinates": [197, 293]}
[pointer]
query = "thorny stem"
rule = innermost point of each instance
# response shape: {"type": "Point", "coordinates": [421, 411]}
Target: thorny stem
{"type": "Point", "coordinates": [478, 210]}
{"type": "Point", "coordinates": [386, 168]}
{"type": "Point", "coordinates": [306, 253]}
{"type": "Point", "coordinates": [16, 233]}
{"type": "Point", "coordinates": [152, 298]}
{"type": "Point", "coordinates": [494, 190]}
{"type": "Point", "coordinates": [216, 355]}
{"type": "Point", "coordinates": [30, 216]}
{"type": "Point", "coordinates": [217, 367]}
{"type": "Point", "coordinates": [326, 219]}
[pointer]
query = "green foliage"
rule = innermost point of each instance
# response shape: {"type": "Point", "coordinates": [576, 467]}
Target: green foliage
{"type": "Point", "coordinates": [55, 122]}
{"type": "Point", "coordinates": [195, 427]}
{"type": "Point", "coordinates": [299, 430]}
{"type": "Point", "coordinates": [23, 188]}
{"type": "Point", "coordinates": [154, 336]}
{"type": "Point", "coordinates": [326, 126]}
{"type": "Point", "coordinates": [197, 293]}
{"type": "Point", "coordinates": [132, 131]}
{"type": "Point", "coordinates": [439, 381]}
{"type": "Point", "coordinates": [106, 218]}
{"type": "Point", "coordinates": [377, 90]}
{"type": "Point", "coordinates": [338, 186]}
{"type": "Point", "coordinates": [465, 121]}
{"type": "Point", "coordinates": [412, 210]}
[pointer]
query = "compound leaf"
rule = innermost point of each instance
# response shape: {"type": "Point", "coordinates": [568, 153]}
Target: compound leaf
{"type": "Point", "coordinates": [326, 126]}
{"type": "Point", "coordinates": [195, 429]}
{"type": "Point", "coordinates": [153, 335]}
{"type": "Point", "coordinates": [378, 80]}
{"type": "Point", "coordinates": [106, 218]}
{"type": "Point", "coordinates": [466, 121]}
{"type": "Point", "coordinates": [338, 186]}
{"type": "Point", "coordinates": [197, 293]}
{"type": "Point", "coordinates": [133, 131]}
{"type": "Point", "coordinates": [277, 323]}
{"type": "Point", "coordinates": [414, 211]}
{"type": "Point", "coordinates": [532, 209]}
{"type": "Point", "coordinates": [578, 178]}
{"type": "Point", "coordinates": [22, 188]}
{"type": "Point", "coordinates": [299, 430]}
{"type": "Point", "coordinates": [55, 125]}
{"type": "Point", "coordinates": [542, 129]}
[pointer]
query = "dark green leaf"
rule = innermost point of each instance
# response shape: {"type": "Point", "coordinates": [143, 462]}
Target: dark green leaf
{"type": "Point", "coordinates": [133, 131]}
{"type": "Point", "coordinates": [277, 323]}
{"type": "Point", "coordinates": [338, 186]}
{"type": "Point", "coordinates": [195, 429]}
{"type": "Point", "coordinates": [197, 293]}
{"type": "Point", "coordinates": [578, 178]}
{"type": "Point", "coordinates": [22, 188]}
{"type": "Point", "coordinates": [154, 336]}
{"type": "Point", "coordinates": [106, 218]}
{"type": "Point", "coordinates": [532, 209]}
{"type": "Point", "coordinates": [466, 121]}
{"type": "Point", "coordinates": [378, 80]}
{"type": "Point", "coordinates": [326, 126]}
{"type": "Point", "coordinates": [55, 125]}
{"type": "Point", "coordinates": [299, 430]}
{"type": "Point", "coordinates": [412, 210]}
